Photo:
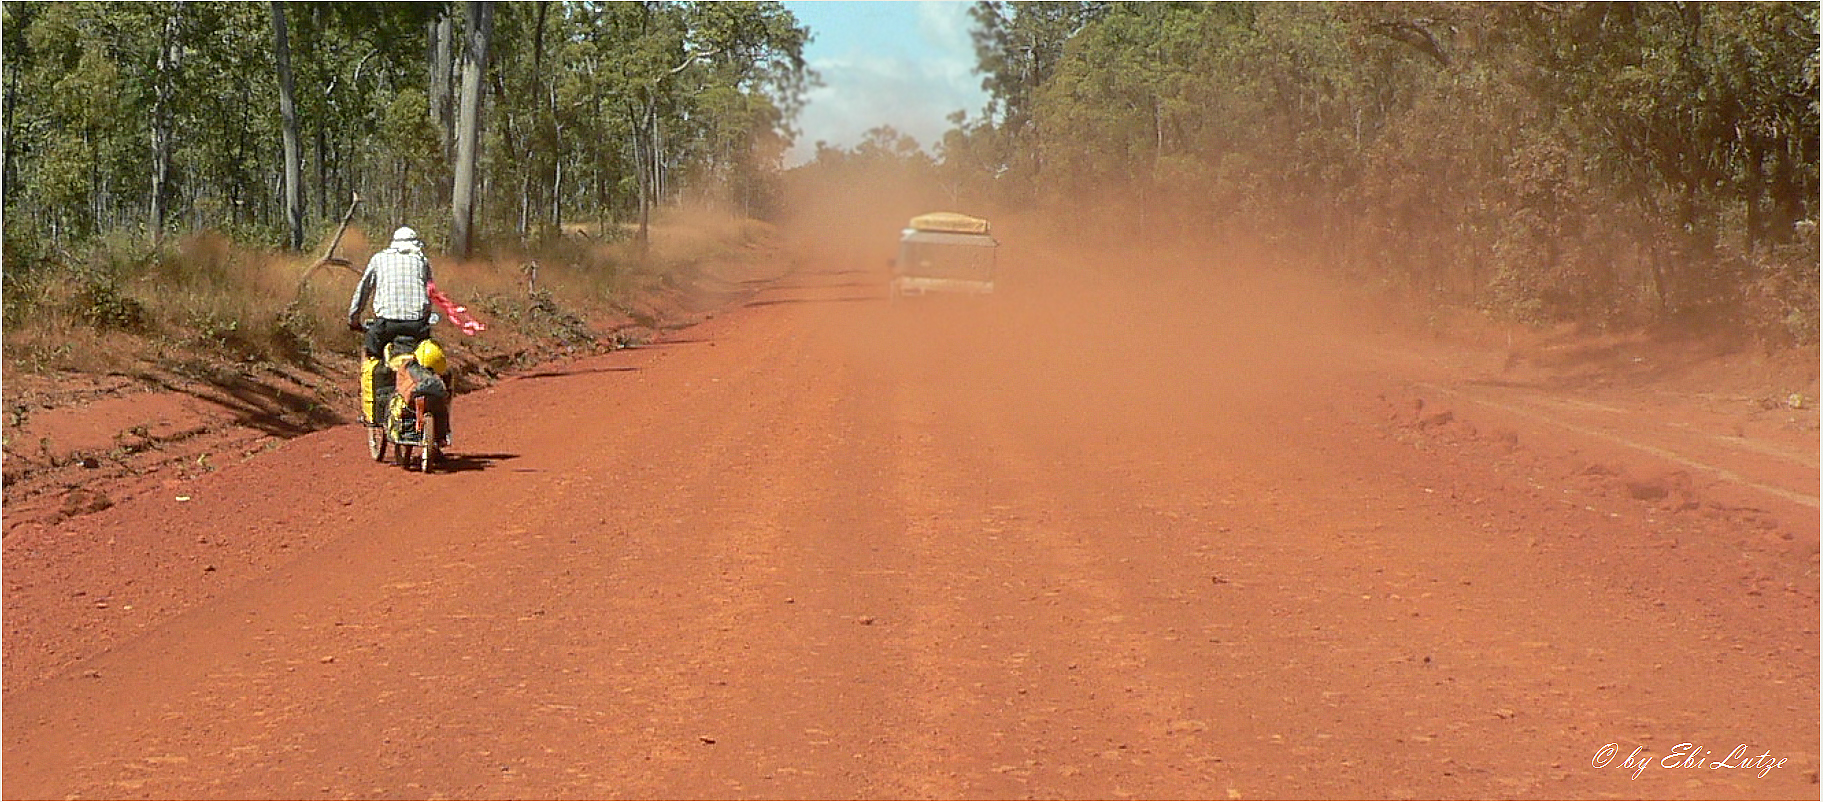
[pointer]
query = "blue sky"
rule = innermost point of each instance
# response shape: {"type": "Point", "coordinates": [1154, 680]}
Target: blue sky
{"type": "Point", "coordinates": [904, 63]}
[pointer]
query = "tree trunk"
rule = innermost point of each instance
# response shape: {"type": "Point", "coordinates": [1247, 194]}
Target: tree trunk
{"type": "Point", "coordinates": [542, 154]}
{"type": "Point", "coordinates": [657, 155]}
{"type": "Point", "coordinates": [1788, 191]}
{"type": "Point", "coordinates": [557, 199]}
{"type": "Point", "coordinates": [1755, 185]}
{"type": "Point", "coordinates": [7, 163]}
{"type": "Point", "coordinates": [642, 161]}
{"type": "Point", "coordinates": [322, 174]}
{"type": "Point", "coordinates": [294, 192]}
{"type": "Point", "coordinates": [313, 43]}
{"type": "Point", "coordinates": [442, 49]}
{"type": "Point", "coordinates": [525, 203]}
{"type": "Point", "coordinates": [468, 129]}
{"type": "Point", "coordinates": [556, 164]}
{"type": "Point", "coordinates": [170, 56]}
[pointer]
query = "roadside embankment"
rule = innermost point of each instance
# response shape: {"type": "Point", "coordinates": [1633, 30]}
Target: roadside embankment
{"type": "Point", "coordinates": [97, 411]}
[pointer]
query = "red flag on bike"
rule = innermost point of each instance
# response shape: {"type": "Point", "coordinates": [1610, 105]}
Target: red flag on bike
{"type": "Point", "coordinates": [457, 314]}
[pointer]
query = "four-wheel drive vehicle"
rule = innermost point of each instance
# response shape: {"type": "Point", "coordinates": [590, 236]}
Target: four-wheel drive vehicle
{"type": "Point", "coordinates": [945, 252]}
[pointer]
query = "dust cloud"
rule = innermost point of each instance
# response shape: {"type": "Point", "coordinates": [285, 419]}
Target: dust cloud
{"type": "Point", "coordinates": [1081, 318]}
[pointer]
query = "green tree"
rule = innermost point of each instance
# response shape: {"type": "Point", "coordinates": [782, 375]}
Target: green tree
{"type": "Point", "coordinates": [1547, 161]}
{"type": "Point", "coordinates": [1017, 48]}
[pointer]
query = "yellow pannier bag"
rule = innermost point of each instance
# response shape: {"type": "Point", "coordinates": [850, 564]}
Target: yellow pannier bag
{"type": "Point", "coordinates": [377, 381]}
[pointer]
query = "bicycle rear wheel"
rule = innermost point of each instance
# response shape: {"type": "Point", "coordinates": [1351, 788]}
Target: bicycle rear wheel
{"type": "Point", "coordinates": [427, 427]}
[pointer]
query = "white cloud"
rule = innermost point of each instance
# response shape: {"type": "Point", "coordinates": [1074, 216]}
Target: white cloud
{"type": "Point", "coordinates": [948, 28]}
{"type": "Point", "coordinates": [910, 66]}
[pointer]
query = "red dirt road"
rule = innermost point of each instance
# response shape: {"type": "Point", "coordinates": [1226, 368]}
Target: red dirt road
{"type": "Point", "coordinates": [1085, 539]}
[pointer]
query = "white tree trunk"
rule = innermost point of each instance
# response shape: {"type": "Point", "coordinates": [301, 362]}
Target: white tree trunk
{"type": "Point", "coordinates": [468, 126]}
{"type": "Point", "coordinates": [170, 56]}
{"type": "Point", "coordinates": [294, 191]}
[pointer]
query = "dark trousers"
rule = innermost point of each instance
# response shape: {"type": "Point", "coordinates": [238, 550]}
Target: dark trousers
{"type": "Point", "coordinates": [385, 330]}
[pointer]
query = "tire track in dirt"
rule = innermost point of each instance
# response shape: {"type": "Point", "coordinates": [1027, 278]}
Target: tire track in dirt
{"type": "Point", "coordinates": [1022, 623]}
{"type": "Point", "coordinates": [441, 603]}
{"type": "Point", "coordinates": [1528, 411]}
{"type": "Point", "coordinates": [1455, 615]}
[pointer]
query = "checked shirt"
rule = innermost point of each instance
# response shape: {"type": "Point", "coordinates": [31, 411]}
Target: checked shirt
{"type": "Point", "coordinates": [395, 280]}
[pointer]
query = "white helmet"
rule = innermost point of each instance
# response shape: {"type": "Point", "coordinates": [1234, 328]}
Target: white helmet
{"type": "Point", "coordinates": [405, 234]}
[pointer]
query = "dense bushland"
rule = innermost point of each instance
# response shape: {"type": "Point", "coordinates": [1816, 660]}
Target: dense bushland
{"type": "Point", "coordinates": [201, 297]}
{"type": "Point", "coordinates": [1607, 163]}
{"type": "Point", "coordinates": [1614, 163]}
{"type": "Point", "coordinates": [158, 154]}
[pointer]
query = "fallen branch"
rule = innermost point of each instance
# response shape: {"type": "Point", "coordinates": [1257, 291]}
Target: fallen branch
{"type": "Point", "coordinates": [329, 258]}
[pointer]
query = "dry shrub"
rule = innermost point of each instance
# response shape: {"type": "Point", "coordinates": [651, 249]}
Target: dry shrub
{"type": "Point", "coordinates": [1784, 296]}
{"type": "Point", "coordinates": [696, 235]}
{"type": "Point", "coordinates": [61, 345]}
{"type": "Point", "coordinates": [205, 296]}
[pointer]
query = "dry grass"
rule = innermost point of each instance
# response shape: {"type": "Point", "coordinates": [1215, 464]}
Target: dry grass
{"type": "Point", "coordinates": [204, 296]}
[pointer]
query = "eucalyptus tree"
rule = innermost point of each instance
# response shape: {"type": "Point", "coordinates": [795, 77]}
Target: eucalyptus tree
{"type": "Point", "coordinates": [1110, 121]}
{"type": "Point", "coordinates": [1547, 161]}
{"type": "Point", "coordinates": [694, 85]}
{"type": "Point", "coordinates": [260, 119]}
{"type": "Point", "coordinates": [746, 93]}
{"type": "Point", "coordinates": [294, 190]}
{"type": "Point", "coordinates": [1018, 46]}
{"type": "Point", "coordinates": [468, 124]}
{"type": "Point", "coordinates": [87, 78]}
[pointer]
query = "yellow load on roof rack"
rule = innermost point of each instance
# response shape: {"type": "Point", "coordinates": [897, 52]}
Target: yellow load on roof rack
{"type": "Point", "coordinates": [949, 223]}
